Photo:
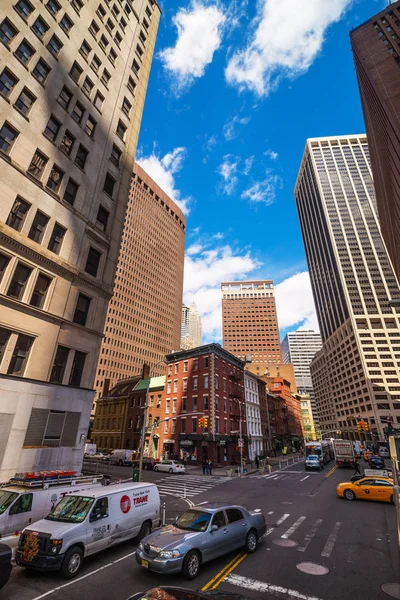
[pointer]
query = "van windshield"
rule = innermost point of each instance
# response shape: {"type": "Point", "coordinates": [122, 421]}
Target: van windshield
{"type": "Point", "coordinates": [71, 509]}
{"type": "Point", "coordinates": [6, 498]}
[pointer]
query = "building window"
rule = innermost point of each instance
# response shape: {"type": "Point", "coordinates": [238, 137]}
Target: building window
{"type": "Point", "coordinates": [85, 49]}
{"type": "Point", "coordinates": [103, 43]}
{"type": "Point", "coordinates": [7, 82]}
{"type": "Point", "coordinates": [54, 46]}
{"type": "Point", "coordinates": [93, 262]}
{"type": "Point", "coordinates": [78, 365]}
{"type": "Point", "coordinates": [166, 425]}
{"type": "Point", "coordinates": [184, 404]}
{"type": "Point", "coordinates": [24, 52]}
{"type": "Point", "coordinates": [195, 383]}
{"type": "Point", "coordinates": [52, 128]}
{"type": "Point", "coordinates": [109, 185]}
{"type": "Point", "coordinates": [24, 8]}
{"type": "Point", "coordinates": [38, 227]}
{"type": "Point", "coordinates": [38, 164]}
{"type": "Point", "coordinates": [66, 24]}
{"type": "Point", "coordinates": [131, 85]}
{"type": "Point", "coordinates": [96, 63]}
{"type": "Point", "coordinates": [217, 425]}
{"type": "Point", "coordinates": [81, 309]}
{"type": "Point", "coordinates": [76, 72]}
{"type": "Point", "coordinates": [81, 156]}
{"type": "Point", "coordinates": [87, 86]}
{"type": "Point", "coordinates": [65, 97]}
{"type": "Point", "coordinates": [167, 405]}
{"type": "Point", "coordinates": [169, 387]}
{"type": "Point", "coordinates": [194, 425]}
{"type": "Point", "coordinates": [41, 71]}
{"type": "Point", "coordinates": [4, 260]}
{"type": "Point", "coordinates": [194, 403]}
{"type": "Point", "coordinates": [118, 39]}
{"type": "Point", "coordinates": [205, 361]}
{"type": "Point", "coordinates": [8, 135]}
{"type": "Point", "coordinates": [7, 32]}
{"type": "Point", "coordinates": [90, 126]}
{"type": "Point", "coordinates": [183, 425]}
{"type": "Point", "coordinates": [175, 386]}
{"type": "Point", "coordinates": [60, 362]}
{"type": "Point", "coordinates": [71, 191]}
{"type": "Point", "coordinates": [53, 7]}
{"type": "Point", "coordinates": [40, 28]}
{"type": "Point", "coordinates": [185, 385]}
{"type": "Point", "coordinates": [20, 355]}
{"type": "Point", "coordinates": [185, 366]}
{"type": "Point", "coordinates": [56, 238]}
{"type": "Point", "coordinates": [98, 101]}
{"type": "Point", "coordinates": [77, 5]}
{"type": "Point", "coordinates": [40, 290]}
{"type": "Point", "coordinates": [205, 402]}
{"type": "Point", "coordinates": [55, 179]}
{"type": "Point", "coordinates": [67, 143]}
{"type": "Point", "coordinates": [105, 78]}
{"type": "Point", "coordinates": [4, 337]}
{"type": "Point", "coordinates": [121, 130]}
{"type": "Point", "coordinates": [25, 102]}
{"type": "Point", "coordinates": [195, 364]}
{"type": "Point", "coordinates": [18, 213]}
{"type": "Point", "coordinates": [94, 29]}
{"type": "Point", "coordinates": [174, 405]}
{"type": "Point", "coordinates": [205, 382]}
{"type": "Point", "coordinates": [102, 218]}
{"type": "Point", "coordinates": [115, 156]}
{"type": "Point", "coordinates": [135, 67]}
{"type": "Point", "coordinates": [78, 112]}
{"type": "Point", "coordinates": [19, 280]}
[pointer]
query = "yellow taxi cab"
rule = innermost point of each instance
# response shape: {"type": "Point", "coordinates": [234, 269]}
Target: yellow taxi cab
{"type": "Point", "coordinates": [367, 488]}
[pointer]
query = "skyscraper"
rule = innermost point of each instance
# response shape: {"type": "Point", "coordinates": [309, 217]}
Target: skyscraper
{"type": "Point", "coordinates": [250, 322]}
{"type": "Point", "coordinates": [356, 373]}
{"type": "Point", "coordinates": [376, 49]}
{"type": "Point", "coordinates": [191, 327]}
{"type": "Point", "coordinates": [73, 79]}
{"type": "Point", "coordinates": [144, 314]}
{"type": "Point", "coordinates": [299, 349]}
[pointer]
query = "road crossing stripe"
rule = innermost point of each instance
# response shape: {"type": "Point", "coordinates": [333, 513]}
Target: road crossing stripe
{"type": "Point", "coordinates": [273, 590]}
{"type": "Point", "coordinates": [271, 512]}
{"type": "Point", "coordinates": [293, 528]}
{"type": "Point", "coordinates": [271, 529]}
{"type": "Point", "coordinates": [327, 551]}
{"type": "Point", "coordinates": [304, 478]}
{"type": "Point", "coordinates": [309, 536]}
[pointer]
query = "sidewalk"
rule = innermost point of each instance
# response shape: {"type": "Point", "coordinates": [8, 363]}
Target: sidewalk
{"type": "Point", "coordinates": [282, 460]}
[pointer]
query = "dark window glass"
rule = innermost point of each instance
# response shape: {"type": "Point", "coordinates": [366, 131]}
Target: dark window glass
{"type": "Point", "coordinates": [66, 24]}
{"type": "Point", "coordinates": [105, 78]}
{"type": "Point", "coordinates": [102, 218]}
{"type": "Point", "coordinates": [54, 46]}
{"type": "Point", "coordinates": [65, 97]}
{"type": "Point", "coordinates": [94, 28]}
{"type": "Point", "coordinates": [55, 178]}
{"type": "Point", "coordinates": [183, 425]}
{"type": "Point", "coordinates": [78, 365]}
{"type": "Point", "coordinates": [4, 260]}
{"type": "Point", "coordinates": [78, 112]}
{"type": "Point", "coordinates": [39, 293]}
{"type": "Point", "coordinates": [81, 156]}
{"type": "Point", "coordinates": [96, 63]}
{"type": "Point", "coordinates": [70, 191]}
{"type": "Point", "coordinates": [7, 137]}
{"type": "Point", "coordinates": [233, 514]}
{"type": "Point", "coordinates": [92, 262]}
{"type": "Point", "coordinates": [56, 238]}
{"type": "Point", "coordinates": [20, 355]}
{"type": "Point", "coordinates": [41, 71]}
{"type": "Point", "coordinates": [77, 5]}
{"type": "Point", "coordinates": [113, 56]}
{"type": "Point", "coordinates": [109, 184]}
{"type": "Point", "coordinates": [38, 227]}
{"type": "Point", "coordinates": [60, 362]}
{"type": "Point", "coordinates": [85, 49]}
{"type": "Point", "coordinates": [135, 67]}
{"type": "Point", "coordinates": [18, 282]}
{"type": "Point", "coordinates": [24, 52]}
{"type": "Point", "coordinates": [25, 101]}
{"type": "Point", "coordinates": [53, 6]}
{"type": "Point", "coordinates": [126, 107]}
{"type": "Point", "coordinates": [90, 126]}
{"type": "Point", "coordinates": [87, 86]}
{"type": "Point", "coordinates": [118, 39]}
{"type": "Point", "coordinates": [131, 85]}
{"type": "Point", "coordinates": [40, 27]}
{"type": "Point", "coordinates": [194, 425]}
{"type": "Point", "coordinates": [103, 42]}
{"type": "Point", "coordinates": [219, 519]}
{"type": "Point", "coordinates": [98, 101]}
{"type": "Point", "coordinates": [115, 155]}
{"type": "Point", "coordinates": [18, 213]}
{"type": "Point", "coordinates": [52, 128]}
{"type": "Point", "coordinates": [81, 310]}
{"type": "Point", "coordinates": [101, 12]}
{"type": "Point", "coordinates": [110, 25]}
{"type": "Point", "coordinates": [7, 31]}
{"type": "Point", "coordinates": [123, 24]}
{"type": "Point", "coordinates": [4, 337]}
{"type": "Point", "coordinates": [67, 143]}
{"type": "Point", "coordinates": [121, 130]}
{"type": "Point", "coordinates": [75, 72]}
{"type": "Point", "coordinates": [38, 164]}
{"type": "Point", "coordinates": [7, 82]}
{"type": "Point", "coordinates": [24, 8]}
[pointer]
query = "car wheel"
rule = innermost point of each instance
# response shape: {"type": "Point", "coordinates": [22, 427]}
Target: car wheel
{"type": "Point", "coordinates": [155, 468]}
{"type": "Point", "coordinates": [170, 471]}
{"type": "Point", "coordinates": [349, 495]}
{"type": "Point", "coordinates": [72, 563]}
{"type": "Point", "coordinates": [251, 541]}
{"type": "Point", "coordinates": [145, 530]}
{"type": "Point", "coordinates": [191, 565]}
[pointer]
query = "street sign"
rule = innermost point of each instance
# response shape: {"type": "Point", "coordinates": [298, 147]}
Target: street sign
{"type": "Point", "coordinates": [240, 443]}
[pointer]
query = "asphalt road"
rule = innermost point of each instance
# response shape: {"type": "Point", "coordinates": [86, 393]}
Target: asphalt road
{"type": "Point", "coordinates": [356, 543]}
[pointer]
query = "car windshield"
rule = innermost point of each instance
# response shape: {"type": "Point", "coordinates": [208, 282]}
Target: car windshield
{"type": "Point", "coordinates": [193, 520]}
{"type": "Point", "coordinates": [6, 498]}
{"type": "Point", "coordinates": [71, 509]}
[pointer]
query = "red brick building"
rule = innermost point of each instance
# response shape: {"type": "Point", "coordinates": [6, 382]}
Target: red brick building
{"type": "Point", "coordinates": [285, 416]}
{"type": "Point", "coordinates": [208, 381]}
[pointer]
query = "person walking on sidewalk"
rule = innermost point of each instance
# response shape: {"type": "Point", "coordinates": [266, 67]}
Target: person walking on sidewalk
{"type": "Point", "coordinates": [210, 467]}
{"type": "Point", "coordinates": [204, 465]}
{"type": "Point", "coordinates": [257, 461]}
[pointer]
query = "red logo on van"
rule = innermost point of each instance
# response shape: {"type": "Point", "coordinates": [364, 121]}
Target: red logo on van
{"type": "Point", "coordinates": [125, 504]}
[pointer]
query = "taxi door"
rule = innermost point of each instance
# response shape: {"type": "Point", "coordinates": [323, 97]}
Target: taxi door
{"type": "Point", "coordinates": [365, 489]}
{"type": "Point", "coordinates": [383, 490]}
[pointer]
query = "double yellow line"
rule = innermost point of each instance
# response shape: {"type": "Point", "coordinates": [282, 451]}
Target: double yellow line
{"type": "Point", "coordinates": [331, 471]}
{"type": "Point", "coordinates": [227, 570]}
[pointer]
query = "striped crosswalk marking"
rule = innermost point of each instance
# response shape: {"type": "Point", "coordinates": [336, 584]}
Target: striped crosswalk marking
{"type": "Point", "coordinates": [330, 542]}
{"type": "Point", "coordinates": [188, 486]}
{"type": "Point", "coordinates": [309, 536]}
{"type": "Point", "coordinates": [293, 528]}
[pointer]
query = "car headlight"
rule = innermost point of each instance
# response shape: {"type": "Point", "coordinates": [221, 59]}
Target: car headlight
{"type": "Point", "coordinates": [170, 554]}
{"type": "Point", "coordinates": [141, 547]}
{"type": "Point", "coordinates": [55, 546]}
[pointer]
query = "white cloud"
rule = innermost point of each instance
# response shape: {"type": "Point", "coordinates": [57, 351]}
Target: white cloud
{"type": "Point", "coordinates": [194, 249]}
{"type": "Point", "coordinates": [286, 39]}
{"type": "Point", "coordinates": [295, 303]}
{"type": "Point", "coordinates": [263, 191]}
{"type": "Point", "coordinates": [204, 273]}
{"type": "Point", "coordinates": [271, 154]}
{"type": "Point", "coordinates": [248, 163]}
{"type": "Point", "coordinates": [200, 29]}
{"type": "Point", "coordinates": [162, 170]}
{"type": "Point", "coordinates": [230, 129]}
{"type": "Point", "coordinates": [228, 170]}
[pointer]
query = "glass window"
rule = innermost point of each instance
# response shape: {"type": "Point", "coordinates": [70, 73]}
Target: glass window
{"type": "Point", "coordinates": [76, 72]}
{"type": "Point", "coordinates": [18, 282]}
{"type": "Point", "coordinates": [40, 27]}
{"type": "Point", "coordinates": [94, 28]}
{"type": "Point", "coordinates": [90, 126]}
{"type": "Point", "coordinates": [52, 128]}
{"type": "Point", "coordinates": [103, 42]}
{"type": "Point", "coordinates": [121, 130]}
{"type": "Point", "coordinates": [53, 6]}
{"type": "Point", "coordinates": [38, 164]}
{"type": "Point", "coordinates": [25, 101]}
{"type": "Point", "coordinates": [41, 71]}
{"type": "Point", "coordinates": [22, 505]}
{"type": "Point", "coordinates": [7, 31]}
{"type": "Point", "coordinates": [66, 24]}
{"type": "Point", "coordinates": [4, 260]}
{"type": "Point", "coordinates": [18, 213]}
{"type": "Point", "coordinates": [205, 381]}
{"type": "Point", "coordinates": [234, 514]}
{"type": "Point", "coordinates": [98, 101]}
{"type": "Point", "coordinates": [112, 56]}
{"type": "Point", "coordinates": [87, 86]}
{"type": "Point", "coordinates": [78, 112]}
{"type": "Point", "coordinates": [109, 184]}
{"type": "Point", "coordinates": [118, 39]}
{"type": "Point", "coordinates": [116, 154]}
{"type": "Point", "coordinates": [60, 362]}
{"type": "Point", "coordinates": [24, 8]}
{"type": "Point", "coordinates": [81, 310]}
{"type": "Point", "coordinates": [7, 82]}
{"type": "Point", "coordinates": [100, 510]}
{"type": "Point", "coordinates": [85, 49]}
{"type": "Point", "coordinates": [110, 25]}
{"type": "Point", "coordinates": [126, 107]}
{"type": "Point", "coordinates": [219, 519]}
{"type": "Point", "coordinates": [56, 238]}
{"type": "Point", "coordinates": [40, 290]}
{"type": "Point", "coordinates": [102, 218]}
{"type": "Point", "coordinates": [24, 52]}
{"type": "Point", "coordinates": [194, 520]}
{"type": "Point", "coordinates": [54, 46]}
{"type": "Point", "coordinates": [131, 85]}
{"type": "Point", "coordinates": [77, 5]}
{"type": "Point", "coordinates": [92, 262]}
{"type": "Point", "coordinates": [71, 509]}
{"type": "Point", "coordinates": [194, 425]}
{"type": "Point", "coordinates": [96, 63]}
{"type": "Point", "coordinates": [71, 191]}
{"type": "Point", "coordinates": [55, 179]}
{"type": "Point", "coordinates": [78, 365]}
{"type": "Point", "coordinates": [135, 67]}
{"type": "Point", "coordinates": [65, 97]}
{"type": "Point", "coordinates": [81, 157]}
{"type": "Point", "coordinates": [67, 143]}
{"type": "Point", "coordinates": [105, 78]}
{"type": "Point", "coordinates": [38, 227]}
{"type": "Point", "coordinates": [7, 137]}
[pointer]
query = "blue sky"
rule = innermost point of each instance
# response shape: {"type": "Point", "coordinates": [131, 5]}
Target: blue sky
{"type": "Point", "coordinates": [235, 90]}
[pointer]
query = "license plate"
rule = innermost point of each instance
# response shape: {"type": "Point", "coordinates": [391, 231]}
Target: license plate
{"type": "Point", "coordinates": [145, 563]}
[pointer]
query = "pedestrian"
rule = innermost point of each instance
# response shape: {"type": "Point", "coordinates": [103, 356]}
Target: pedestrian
{"type": "Point", "coordinates": [257, 461]}
{"type": "Point", "coordinates": [357, 471]}
{"type": "Point", "coordinates": [210, 467]}
{"type": "Point", "coordinates": [274, 451]}
{"type": "Point", "coordinates": [204, 466]}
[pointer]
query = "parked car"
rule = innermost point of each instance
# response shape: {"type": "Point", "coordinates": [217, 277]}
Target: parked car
{"type": "Point", "coordinates": [121, 457]}
{"type": "Point", "coordinates": [5, 564]}
{"type": "Point", "coordinates": [178, 593]}
{"type": "Point", "coordinates": [201, 534]}
{"type": "Point", "coordinates": [383, 452]}
{"type": "Point", "coordinates": [99, 456]}
{"type": "Point", "coordinates": [312, 462]}
{"type": "Point", "coordinates": [169, 466]}
{"type": "Point", "coordinates": [148, 463]}
{"type": "Point", "coordinates": [376, 462]}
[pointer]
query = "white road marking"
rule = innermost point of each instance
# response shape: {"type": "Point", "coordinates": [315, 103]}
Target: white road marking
{"type": "Point", "coordinates": [309, 536]}
{"type": "Point", "coordinates": [304, 478]}
{"type": "Point", "coordinates": [271, 512]}
{"type": "Point", "coordinates": [300, 472]}
{"type": "Point", "coordinates": [260, 586]}
{"type": "Point", "coordinates": [278, 477]}
{"type": "Point", "coordinates": [271, 529]}
{"type": "Point", "coordinates": [293, 528]}
{"type": "Point", "coordinates": [330, 542]}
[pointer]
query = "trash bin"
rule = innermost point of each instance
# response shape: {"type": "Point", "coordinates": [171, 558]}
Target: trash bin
{"type": "Point", "coordinates": [135, 474]}
{"type": "Point", "coordinates": [229, 472]}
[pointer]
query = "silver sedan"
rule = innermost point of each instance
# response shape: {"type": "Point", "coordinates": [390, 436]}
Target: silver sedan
{"type": "Point", "coordinates": [199, 535]}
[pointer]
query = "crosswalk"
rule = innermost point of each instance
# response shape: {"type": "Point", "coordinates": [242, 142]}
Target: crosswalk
{"type": "Point", "coordinates": [303, 532]}
{"type": "Point", "coordinates": [188, 486]}
{"type": "Point", "coordinates": [285, 475]}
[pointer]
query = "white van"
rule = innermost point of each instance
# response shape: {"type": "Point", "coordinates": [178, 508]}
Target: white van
{"type": "Point", "coordinates": [121, 457]}
{"type": "Point", "coordinates": [85, 523]}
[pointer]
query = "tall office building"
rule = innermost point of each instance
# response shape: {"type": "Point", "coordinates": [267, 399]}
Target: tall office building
{"type": "Point", "coordinates": [356, 373]}
{"type": "Point", "coordinates": [250, 322]}
{"type": "Point", "coordinates": [185, 321]}
{"type": "Point", "coordinates": [299, 349]}
{"type": "Point", "coordinates": [191, 327]}
{"type": "Point", "coordinates": [144, 314]}
{"type": "Point", "coordinates": [73, 79]}
{"type": "Point", "coordinates": [376, 49]}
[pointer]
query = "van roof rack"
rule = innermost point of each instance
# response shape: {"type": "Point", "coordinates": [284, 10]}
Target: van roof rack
{"type": "Point", "coordinates": [46, 479]}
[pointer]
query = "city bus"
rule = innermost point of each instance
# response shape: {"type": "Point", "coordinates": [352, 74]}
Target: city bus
{"type": "Point", "coordinates": [322, 449]}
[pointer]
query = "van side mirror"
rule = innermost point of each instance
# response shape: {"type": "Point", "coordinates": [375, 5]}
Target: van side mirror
{"type": "Point", "coordinates": [214, 528]}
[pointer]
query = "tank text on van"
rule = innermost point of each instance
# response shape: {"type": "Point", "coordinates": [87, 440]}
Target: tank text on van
{"type": "Point", "coordinates": [141, 500]}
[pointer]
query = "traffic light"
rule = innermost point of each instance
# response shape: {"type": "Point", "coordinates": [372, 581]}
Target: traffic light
{"type": "Point", "coordinates": [201, 422]}
{"type": "Point", "coordinates": [365, 425]}
{"type": "Point", "coordinates": [205, 422]}
{"type": "Point", "coordinates": [360, 426]}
